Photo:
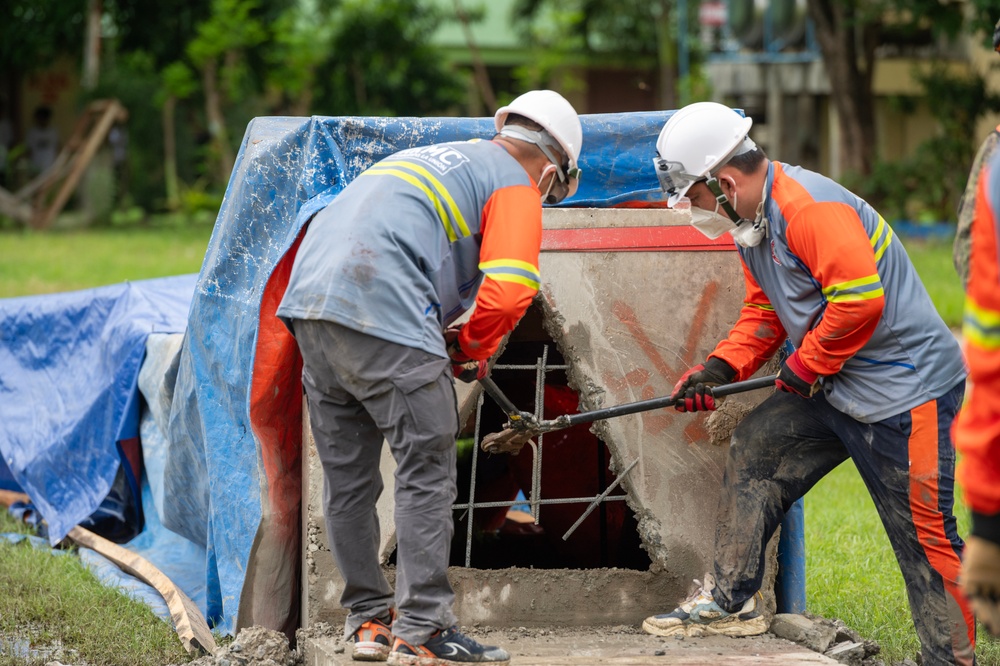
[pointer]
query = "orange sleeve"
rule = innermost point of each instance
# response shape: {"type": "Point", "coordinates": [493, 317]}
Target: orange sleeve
{"type": "Point", "coordinates": [831, 241]}
{"type": "Point", "coordinates": [977, 429]}
{"type": "Point", "coordinates": [756, 335]}
{"type": "Point", "coordinates": [512, 240]}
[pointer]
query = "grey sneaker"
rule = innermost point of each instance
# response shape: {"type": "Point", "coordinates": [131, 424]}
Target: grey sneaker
{"type": "Point", "coordinates": [699, 615]}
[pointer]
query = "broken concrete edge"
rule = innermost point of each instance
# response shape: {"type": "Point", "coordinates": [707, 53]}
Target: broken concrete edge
{"type": "Point", "coordinates": [832, 638]}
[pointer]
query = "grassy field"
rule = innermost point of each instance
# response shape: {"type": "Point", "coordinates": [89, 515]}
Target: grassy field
{"type": "Point", "coordinates": [51, 600]}
{"type": "Point", "coordinates": [851, 571]}
{"type": "Point", "coordinates": [45, 263]}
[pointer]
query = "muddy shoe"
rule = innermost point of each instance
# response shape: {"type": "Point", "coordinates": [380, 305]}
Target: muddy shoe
{"type": "Point", "coordinates": [446, 647]}
{"type": "Point", "coordinates": [373, 640]}
{"type": "Point", "coordinates": [699, 615]}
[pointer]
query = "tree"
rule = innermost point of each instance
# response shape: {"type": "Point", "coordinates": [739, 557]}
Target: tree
{"type": "Point", "coordinates": [381, 62]}
{"type": "Point", "coordinates": [633, 33]}
{"type": "Point", "coordinates": [33, 34]}
{"type": "Point", "coordinates": [849, 33]}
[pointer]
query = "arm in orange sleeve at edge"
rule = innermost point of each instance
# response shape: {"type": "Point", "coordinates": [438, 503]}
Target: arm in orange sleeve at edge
{"type": "Point", "coordinates": [512, 241]}
{"type": "Point", "coordinates": [977, 428]}
{"type": "Point", "coordinates": [756, 335]}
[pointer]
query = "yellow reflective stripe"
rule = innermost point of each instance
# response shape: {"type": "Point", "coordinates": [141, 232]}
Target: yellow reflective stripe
{"type": "Point", "coordinates": [981, 326]}
{"type": "Point", "coordinates": [512, 270]}
{"type": "Point", "coordinates": [843, 298]}
{"type": "Point", "coordinates": [508, 277]}
{"type": "Point", "coordinates": [377, 170]}
{"type": "Point", "coordinates": [884, 245]}
{"type": "Point", "coordinates": [508, 263]}
{"type": "Point", "coordinates": [441, 190]}
{"type": "Point", "coordinates": [850, 290]}
{"type": "Point", "coordinates": [769, 308]}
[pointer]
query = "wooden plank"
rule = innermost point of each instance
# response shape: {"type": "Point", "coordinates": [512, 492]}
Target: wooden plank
{"type": "Point", "coordinates": [110, 112]}
{"type": "Point", "coordinates": [188, 620]}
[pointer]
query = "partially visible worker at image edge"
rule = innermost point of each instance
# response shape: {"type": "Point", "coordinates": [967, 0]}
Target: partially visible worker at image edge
{"type": "Point", "coordinates": [977, 430]}
{"type": "Point", "coordinates": [381, 275]}
{"type": "Point", "coordinates": [875, 376]}
{"type": "Point", "coordinates": [967, 204]}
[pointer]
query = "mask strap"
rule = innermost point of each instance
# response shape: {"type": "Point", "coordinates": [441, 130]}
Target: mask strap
{"type": "Point", "coordinates": [713, 184]}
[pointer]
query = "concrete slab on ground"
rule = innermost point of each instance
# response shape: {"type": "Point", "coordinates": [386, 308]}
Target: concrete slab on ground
{"type": "Point", "coordinates": [585, 646]}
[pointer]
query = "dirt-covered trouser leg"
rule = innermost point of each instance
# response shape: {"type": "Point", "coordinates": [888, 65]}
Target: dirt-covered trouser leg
{"type": "Point", "coordinates": [361, 389]}
{"type": "Point", "coordinates": [907, 463]}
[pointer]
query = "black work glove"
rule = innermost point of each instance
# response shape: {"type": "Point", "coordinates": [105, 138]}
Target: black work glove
{"type": "Point", "coordinates": [793, 377]}
{"type": "Point", "coordinates": [691, 393]}
{"type": "Point", "coordinates": [464, 367]}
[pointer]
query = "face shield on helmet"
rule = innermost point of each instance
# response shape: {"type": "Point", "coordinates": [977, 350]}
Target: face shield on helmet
{"type": "Point", "coordinates": [561, 131]}
{"type": "Point", "coordinates": [693, 145]}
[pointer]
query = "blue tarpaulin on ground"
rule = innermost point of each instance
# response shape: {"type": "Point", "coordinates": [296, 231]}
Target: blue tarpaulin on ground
{"type": "Point", "coordinates": [68, 369]}
{"type": "Point", "coordinates": [230, 468]}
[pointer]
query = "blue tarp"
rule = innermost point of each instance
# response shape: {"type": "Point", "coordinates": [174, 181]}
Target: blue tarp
{"type": "Point", "coordinates": [68, 369]}
{"type": "Point", "coordinates": [69, 363]}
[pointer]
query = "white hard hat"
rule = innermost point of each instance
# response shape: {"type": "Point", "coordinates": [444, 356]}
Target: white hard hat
{"type": "Point", "coordinates": [696, 140]}
{"type": "Point", "coordinates": [556, 116]}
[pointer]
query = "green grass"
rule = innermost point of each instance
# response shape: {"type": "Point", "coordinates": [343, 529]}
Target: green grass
{"type": "Point", "coordinates": [851, 571]}
{"type": "Point", "coordinates": [49, 600]}
{"type": "Point", "coordinates": [44, 263]}
{"type": "Point", "coordinates": [933, 262]}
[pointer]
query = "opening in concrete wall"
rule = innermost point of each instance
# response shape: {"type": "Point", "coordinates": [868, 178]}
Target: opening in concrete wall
{"type": "Point", "coordinates": [570, 463]}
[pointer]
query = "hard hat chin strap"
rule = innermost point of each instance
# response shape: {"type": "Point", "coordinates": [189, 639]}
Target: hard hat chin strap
{"type": "Point", "coordinates": [720, 197]}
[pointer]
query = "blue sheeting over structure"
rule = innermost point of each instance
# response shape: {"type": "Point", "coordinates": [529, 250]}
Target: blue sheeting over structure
{"type": "Point", "coordinates": [230, 479]}
{"type": "Point", "coordinates": [68, 369]}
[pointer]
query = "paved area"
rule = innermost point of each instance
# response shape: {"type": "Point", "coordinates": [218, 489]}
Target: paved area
{"type": "Point", "coordinates": [586, 646]}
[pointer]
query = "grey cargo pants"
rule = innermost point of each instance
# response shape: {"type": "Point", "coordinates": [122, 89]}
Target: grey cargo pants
{"type": "Point", "coordinates": [361, 389]}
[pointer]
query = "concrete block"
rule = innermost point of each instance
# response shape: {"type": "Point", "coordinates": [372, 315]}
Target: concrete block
{"type": "Point", "coordinates": [848, 652]}
{"type": "Point", "coordinates": [628, 324]}
{"type": "Point", "coordinates": [817, 635]}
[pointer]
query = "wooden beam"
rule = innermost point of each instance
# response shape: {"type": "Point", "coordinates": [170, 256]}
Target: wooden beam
{"type": "Point", "coordinates": [188, 620]}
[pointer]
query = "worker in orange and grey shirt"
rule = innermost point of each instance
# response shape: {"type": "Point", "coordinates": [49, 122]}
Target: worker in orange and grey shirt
{"type": "Point", "coordinates": [875, 376]}
{"type": "Point", "coordinates": [977, 429]}
{"type": "Point", "coordinates": [382, 274]}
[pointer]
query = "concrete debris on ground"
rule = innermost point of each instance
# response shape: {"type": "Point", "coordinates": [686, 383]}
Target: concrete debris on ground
{"type": "Point", "coordinates": [253, 646]}
{"type": "Point", "coordinates": [832, 638]}
{"type": "Point", "coordinates": [830, 642]}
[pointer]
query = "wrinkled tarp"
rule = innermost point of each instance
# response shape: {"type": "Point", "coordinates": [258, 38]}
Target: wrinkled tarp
{"type": "Point", "coordinates": [68, 369]}
{"type": "Point", "coordinates": [235, 411]}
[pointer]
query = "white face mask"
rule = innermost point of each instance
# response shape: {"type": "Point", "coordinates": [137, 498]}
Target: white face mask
{"type": "Point", "coordinates": [711, 223]}
{"type": "Point", "coordinates": [751, 233]}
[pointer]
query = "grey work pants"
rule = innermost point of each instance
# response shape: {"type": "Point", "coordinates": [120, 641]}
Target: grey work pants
{"type": "Point", "coordinates": [361, 389]}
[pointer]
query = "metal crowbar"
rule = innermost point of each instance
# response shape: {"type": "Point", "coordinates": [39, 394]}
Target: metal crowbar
{"type": "Point", "coordinates": [522, 426]}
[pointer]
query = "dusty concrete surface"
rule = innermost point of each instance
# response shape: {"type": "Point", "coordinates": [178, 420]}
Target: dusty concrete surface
{"type": "Point", "coordinates": [586, 646]}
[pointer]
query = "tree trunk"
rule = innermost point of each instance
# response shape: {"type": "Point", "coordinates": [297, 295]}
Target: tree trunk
{"type": "Point", "coordinates": [92, 46]}
{"type": "Point", "coordinates": [848, 48]}
{"type": "Point", "coordinates": [666, 48]}
{"type": "Point", "coordinates": [216, 121]}
{"type": "Point", "coordinates": [478, 68]}
{"type": "Point", "coordinates": [170, 178]}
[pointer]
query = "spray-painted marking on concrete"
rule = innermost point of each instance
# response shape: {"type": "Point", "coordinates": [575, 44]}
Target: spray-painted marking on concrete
{"type": "Point", "coordinates": [624, 385]}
